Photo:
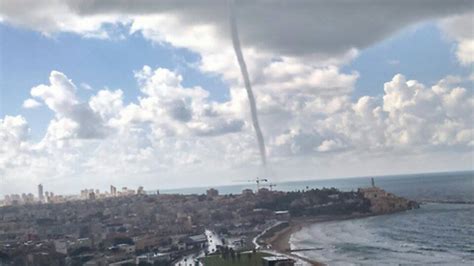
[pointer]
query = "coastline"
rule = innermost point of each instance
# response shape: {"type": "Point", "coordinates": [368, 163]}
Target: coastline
{"type": "Point", "coordinates": [280, 241]}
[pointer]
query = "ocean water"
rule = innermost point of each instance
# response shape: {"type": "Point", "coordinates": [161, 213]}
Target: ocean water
{"type": "Point", "coordinates": [437, 233]}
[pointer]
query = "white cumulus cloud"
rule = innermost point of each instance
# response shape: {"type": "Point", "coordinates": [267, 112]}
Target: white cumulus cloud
{"type": "Point", "coordinates": [31, 103]}
{"type": "Point", "coordinates": [461, 29]}
{"type": "Point", "coordinates": [60, 97]}
{"type": "Point", "coordinates": [172, 131]}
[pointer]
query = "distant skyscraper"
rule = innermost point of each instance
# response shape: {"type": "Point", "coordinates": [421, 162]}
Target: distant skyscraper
{"type": "Point", "coordinates": [113, 190]}
{"type": "Point", "coordinates": [40, 193]}
{"type": "Point", "coordinates": [92, 195]}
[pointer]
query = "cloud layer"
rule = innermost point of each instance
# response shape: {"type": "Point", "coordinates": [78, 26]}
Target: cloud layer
{"type": "Point", "coordinates": [295, 51]}
{"type": "Point", "coordinates": [281, 27]}
{"type": "Point", "coordinates": [171, 130]}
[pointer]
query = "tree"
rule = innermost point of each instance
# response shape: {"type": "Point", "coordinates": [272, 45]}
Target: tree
{"type": "Point", "coordinates": [232, 254]}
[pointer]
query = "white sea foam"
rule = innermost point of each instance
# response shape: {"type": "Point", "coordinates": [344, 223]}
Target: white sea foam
{"type": "Point", "coordinates": [405, 238]}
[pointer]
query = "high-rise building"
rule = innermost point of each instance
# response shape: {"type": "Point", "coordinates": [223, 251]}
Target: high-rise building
{"type": "Point", "coordinates": [40, 193]}
{"type": "Point", "coordinates": [46, 197]}
{"type": "Point", "coordinates": [84, 194]}
{"type": "Point", "coordinates": [92, 195]}
{"type": "Point", "coordinates": [113, 191]}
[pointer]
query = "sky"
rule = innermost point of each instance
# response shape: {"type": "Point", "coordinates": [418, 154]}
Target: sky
{"type": "Point", "coordinates": [94, 93]}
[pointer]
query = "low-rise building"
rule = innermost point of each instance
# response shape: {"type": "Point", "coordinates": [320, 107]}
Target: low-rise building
{"type": "Point", "coordinates": [212, 192]}
{"type": "Point", "coordinates": [127, 249]}
{"type": "Point", "coordinates": [277, 261]}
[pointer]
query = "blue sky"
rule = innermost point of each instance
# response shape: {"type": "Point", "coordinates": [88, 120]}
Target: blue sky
{"type": "Point", "coordinates": [29, 56]}
{"type": "Point", "coordinates": [420, 52]}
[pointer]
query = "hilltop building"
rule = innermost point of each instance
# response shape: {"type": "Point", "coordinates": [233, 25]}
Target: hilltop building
{"type": "Point", "coordinates": [385, 202]}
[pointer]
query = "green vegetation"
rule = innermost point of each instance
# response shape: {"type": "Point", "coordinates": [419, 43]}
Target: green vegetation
{"type": "Point", "coordinates": [244, 259]}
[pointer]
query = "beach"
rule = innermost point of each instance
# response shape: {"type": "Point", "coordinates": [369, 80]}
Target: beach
{"type": "Point", "coordinates": [280, 241]}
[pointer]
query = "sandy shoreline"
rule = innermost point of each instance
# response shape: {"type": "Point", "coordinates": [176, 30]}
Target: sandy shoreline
{"type": "Point", "coordinates": [280, 241]}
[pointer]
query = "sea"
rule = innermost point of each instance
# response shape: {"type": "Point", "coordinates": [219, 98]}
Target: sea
{"type": "Point", "coordinates": [440, 232]}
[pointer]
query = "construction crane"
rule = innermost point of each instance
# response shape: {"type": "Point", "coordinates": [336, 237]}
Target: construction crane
{"type": "Point", "coordinates": [256, 180]}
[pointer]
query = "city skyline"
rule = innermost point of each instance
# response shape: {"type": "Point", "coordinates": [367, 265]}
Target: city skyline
{"type": "Point", "coordinates": [50, 197]}
{"type": "Point", "coordinates": [250, 184]}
